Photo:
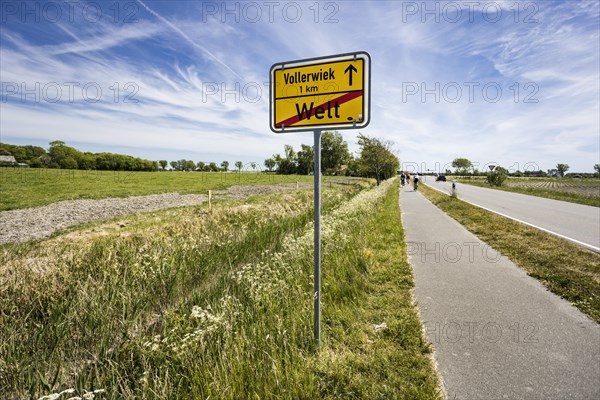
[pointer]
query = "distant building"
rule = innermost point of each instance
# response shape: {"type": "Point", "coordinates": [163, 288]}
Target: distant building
{"type": "Point", "coordinates": [8, 159]}
{"type": "Point", "coordinates": [341, 170]}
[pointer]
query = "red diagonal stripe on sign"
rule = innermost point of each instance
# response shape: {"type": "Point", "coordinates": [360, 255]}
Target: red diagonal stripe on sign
{"type": "Point", "coordinates": [327, 105]}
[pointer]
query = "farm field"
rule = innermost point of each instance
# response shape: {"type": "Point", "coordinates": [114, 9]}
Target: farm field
{"type": "Point", "coordinates": [30, 187]}
{"type": "Point", "coordinates": [187, 303]}
{"type": "Point", "coordinates": [582, 191]}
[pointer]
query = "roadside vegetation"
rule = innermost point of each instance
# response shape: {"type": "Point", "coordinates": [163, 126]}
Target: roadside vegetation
{"type": "Point", "coordinates": [187, 303]}
{"type": "Point", "coordinates": [565, 268]}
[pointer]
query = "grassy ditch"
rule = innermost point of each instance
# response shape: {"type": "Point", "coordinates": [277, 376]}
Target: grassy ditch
{"type": "Point", "coordinates": [190, 304]}
{"type": "Point", "coordinates": [566, 269]}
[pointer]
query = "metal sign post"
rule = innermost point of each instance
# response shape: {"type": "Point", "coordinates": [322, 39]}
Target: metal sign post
{"type": "Point", "coordinates": [315, 94]}
{"type": "Point", "coordinates": [317, 293]}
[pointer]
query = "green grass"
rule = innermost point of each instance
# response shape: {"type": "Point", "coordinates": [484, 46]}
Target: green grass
{"type": "Point", "coordinates": [30, 187]}
{"type": "Point", "coordinates": [187, 303]}
{"type": "Point", "coordinates": [569, 196]}
{"type": "Point", "coordinates": [565, 268]}
{"type": "Point", "coordinates": [368, 282]}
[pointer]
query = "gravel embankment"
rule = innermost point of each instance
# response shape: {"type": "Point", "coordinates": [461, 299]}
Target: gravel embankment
{"type": "Point", "coordinates": [18, 226]}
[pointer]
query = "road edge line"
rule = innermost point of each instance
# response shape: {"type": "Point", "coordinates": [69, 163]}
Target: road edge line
{"type": "Point", "coordinates": [586, 245]}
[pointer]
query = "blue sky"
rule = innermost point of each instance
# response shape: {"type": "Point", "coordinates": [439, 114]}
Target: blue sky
{"type": "Point", "coordinates": [500, 82]}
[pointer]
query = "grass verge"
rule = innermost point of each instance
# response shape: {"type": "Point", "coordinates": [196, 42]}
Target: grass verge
{"type": "Point", "coordinates": [374, 347]}
{"type": "Point", "coordinates": [566, 269]}
{"type": "Point", "coordinates": [547, 193]}
{"type": "Point", "coordinates": [189, 304]}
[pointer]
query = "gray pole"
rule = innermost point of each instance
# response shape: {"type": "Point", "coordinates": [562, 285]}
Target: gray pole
{"type": "Point", "coordinates": [317, 293]}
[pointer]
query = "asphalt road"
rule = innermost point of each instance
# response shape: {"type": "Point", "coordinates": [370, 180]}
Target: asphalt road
{"type": "Point", "coordinates": [497, 332]}
{"type": "Point", "coordinates": [574, 221]}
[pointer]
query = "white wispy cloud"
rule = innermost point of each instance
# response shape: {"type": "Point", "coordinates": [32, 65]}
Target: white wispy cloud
{"type": "Point", "coordinates": [188, 39]}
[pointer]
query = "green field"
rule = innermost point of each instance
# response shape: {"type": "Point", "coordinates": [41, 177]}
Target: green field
{"type": "Point", "coordinates": [575, 190]}
{"type": "Point", "coordinates": [30, 187]}
{"type": "Point", "coordinates": [190, 303]}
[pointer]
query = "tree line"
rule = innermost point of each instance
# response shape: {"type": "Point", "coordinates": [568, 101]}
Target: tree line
{"type": "Point", "coordinates": [201, 166]}
{"type": "Point", "coordinates": [376, 159]}
{"type": "Point", "coordinates": [59, 155]}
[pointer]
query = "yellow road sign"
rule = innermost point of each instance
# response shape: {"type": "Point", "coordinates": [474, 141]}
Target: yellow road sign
{"type": "Point", "coordinates": [317, 93]}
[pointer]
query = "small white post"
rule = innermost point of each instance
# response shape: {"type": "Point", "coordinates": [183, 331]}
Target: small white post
{"type": "Point", "coordinates": [210, 200]}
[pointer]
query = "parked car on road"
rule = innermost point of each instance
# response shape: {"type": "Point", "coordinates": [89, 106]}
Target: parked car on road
{"type": "Point", "coordinates": [441, 178]}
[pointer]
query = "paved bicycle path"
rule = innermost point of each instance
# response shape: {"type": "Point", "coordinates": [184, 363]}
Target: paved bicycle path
{"type": "Point", "coordinates": [497, 333]}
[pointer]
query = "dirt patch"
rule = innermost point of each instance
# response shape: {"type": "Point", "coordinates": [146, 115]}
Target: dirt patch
{"type": "Point", "coordinates": [17, 226]}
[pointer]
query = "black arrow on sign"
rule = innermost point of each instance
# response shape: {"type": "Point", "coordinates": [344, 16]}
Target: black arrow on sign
{"type": "Point", "coordinates": [350, 69]}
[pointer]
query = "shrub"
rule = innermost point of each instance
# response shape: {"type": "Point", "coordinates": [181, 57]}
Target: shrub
{"type": "Point", "coordinates": [497, 177]}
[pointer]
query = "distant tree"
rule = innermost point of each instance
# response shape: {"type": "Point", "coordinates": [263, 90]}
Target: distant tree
{"type": "Point", "coordinates": [288, 163]}
{"type": "Point", "coordinates": [497, 176]}
{"type": "Point", "coordinates": [462, 165]}
{"type": "Point", "coordinates": [306, 158]}
{"type": "Point", "coordinates": [64, 156]}
{"type": "Point", "coordinates": [87, 161]}
{"type": "Point", "coordinates": [253, 165]}
{"type": "Point", "coordinates": [213, 167]}
{"type": "Point", "coordinates": [189, 165]}
{"type": "Point", "coordinates": [270, 164]}
{"type": "Point", "coordinates": [334, 152]}
{"type": "Point", "coordinates": [239, 165]}
{"type": "Point", "coordinates": [200, 165]}
{"type": "Point", "coordinates": [561, 169]}
{"type": "Point", "coordinates": [376, 158]}
{"type": "Point", "coordinates": [68, 163]}
{"type": "Point", "coordinates": [597, 168]}
{"type": "Point", "coordinates": [173, 165]}
{"type": "Point", "coordinates": [163, 164]}
{"type": "Point", "coordinates": [185, 165]}
{"type": "Point", "coordinates": [354, 167]}
{"type": "Point", "coordinates": [278, 160]}
{"type": "Point", "coordinates": [225, 165]}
